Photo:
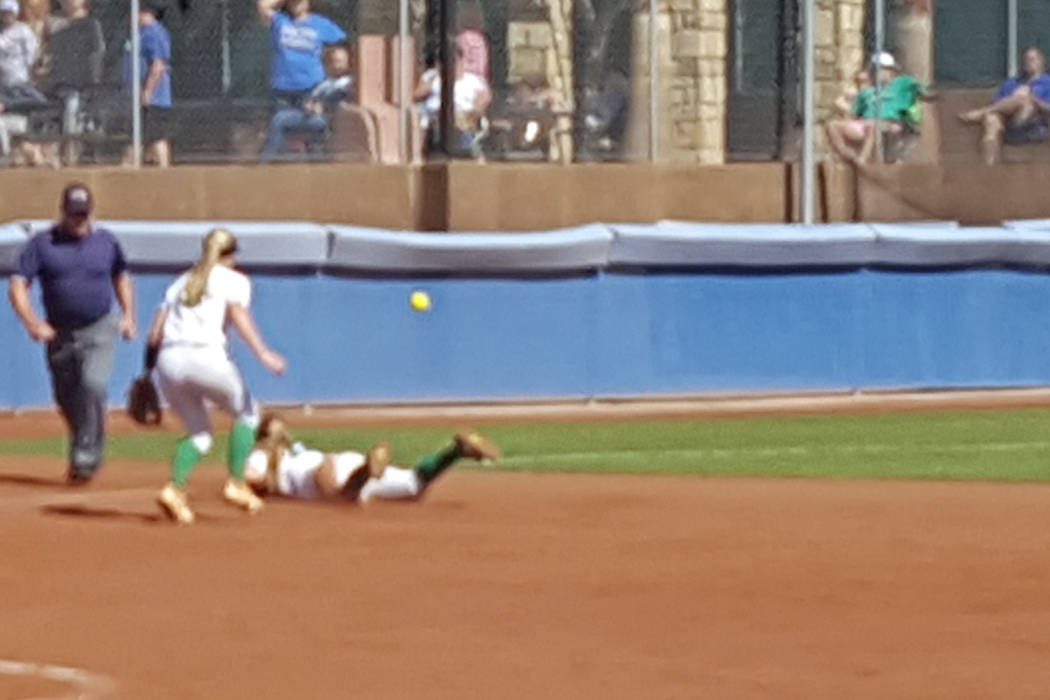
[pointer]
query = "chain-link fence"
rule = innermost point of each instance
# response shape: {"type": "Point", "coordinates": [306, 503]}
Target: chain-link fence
{"type": "Point", "coordinates": [684, 81]}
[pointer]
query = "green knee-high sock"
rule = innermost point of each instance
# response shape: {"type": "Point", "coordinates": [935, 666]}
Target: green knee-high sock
{"type": "Point", "coordinates": [430, 466]}
{"type": "Point", "coordinates": [242, 437]}
{"type": "Point", "coordinates": [187, 457]}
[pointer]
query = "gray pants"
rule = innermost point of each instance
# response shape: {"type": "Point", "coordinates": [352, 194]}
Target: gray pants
{"type": "Point", "coordinates": [80, 362]}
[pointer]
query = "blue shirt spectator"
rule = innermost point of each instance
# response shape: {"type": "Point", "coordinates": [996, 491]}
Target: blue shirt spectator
{"type": "Point", "coordinates": [155, 45]}
{"type": "Point", "coordinates": [1020, 112]}
{"type": "Point", "coordinates": [1039, 86]}
{"type": "Point", "coordinates": [299, 37]}
{"type": "Point", "coordinates": [154, 60]}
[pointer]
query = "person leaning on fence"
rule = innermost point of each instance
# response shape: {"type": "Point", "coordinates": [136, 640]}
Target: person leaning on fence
{"type": "Point", "coordinates": [893, 104]}
{"type": "Point", "coordinates": [1020, 111]}
{"type": "Point", "coordinates": [80, 267]}
{"type": "Point", "coordinates": [298, 37]}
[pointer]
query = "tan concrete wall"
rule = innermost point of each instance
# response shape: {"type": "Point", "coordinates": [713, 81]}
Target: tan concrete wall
{"type": "Point", "coordinates": [469, 196]}
{"type": "Point", "coordinates": [461, 196]}
{"type": "Point", "coordinates": [972, 194]}
{"type": "Point", "coordinates": [507, 197]}
{"type": "Point", "coordinates": [366, 195]}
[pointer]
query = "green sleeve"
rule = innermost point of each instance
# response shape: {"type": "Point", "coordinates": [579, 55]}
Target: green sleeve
{"type": "Point", "coordinates": [860, 105]}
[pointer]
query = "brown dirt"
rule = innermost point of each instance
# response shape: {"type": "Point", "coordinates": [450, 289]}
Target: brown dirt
{"type": "Point", "coordinates": [504, 585]}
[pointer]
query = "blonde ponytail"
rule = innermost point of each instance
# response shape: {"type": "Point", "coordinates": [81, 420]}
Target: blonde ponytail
{"type": "Point", "coordinates": [217, 243]}
{"type": "Point", "coordinates": [274, 440]}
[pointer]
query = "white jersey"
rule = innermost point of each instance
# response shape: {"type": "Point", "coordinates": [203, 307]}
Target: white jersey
{"type": "Point", "coordinates": [466, 92]}
{"type": "Point", "coordinates": [297, 474]}
{"type": "Point", "coordinates": [204, 323]}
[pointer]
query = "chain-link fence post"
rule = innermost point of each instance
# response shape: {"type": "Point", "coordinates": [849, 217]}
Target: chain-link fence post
{"type": "Point", "coordinates": [808, 108]}
{"type": "Point", "coordinates": [136, 86]}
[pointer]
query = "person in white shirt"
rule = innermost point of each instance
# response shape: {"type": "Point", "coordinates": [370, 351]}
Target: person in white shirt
{"type": "Point", "coordinates": [471, 99]}
{"type": "Point", "coordinates": [18, 47]}
{"type": "Point", "coordinates": [194, 368]}
{"type": "Point", "coordinates": [280, 466]}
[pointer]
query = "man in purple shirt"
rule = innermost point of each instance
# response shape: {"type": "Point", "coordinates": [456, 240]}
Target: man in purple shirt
{"type": "Point", "coordinates": [80, 267]}
{"type": "Point", "coordinates": [1020, 111]}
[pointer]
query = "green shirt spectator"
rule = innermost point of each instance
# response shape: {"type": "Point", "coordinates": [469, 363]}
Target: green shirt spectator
{"type": "Point", "coordinates": [897, 100]}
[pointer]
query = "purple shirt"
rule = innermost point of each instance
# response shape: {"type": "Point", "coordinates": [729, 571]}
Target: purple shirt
{"type": "Point", "coordinates": [1039, 85]}
{"type": "Point", "coordinates": [76, 274]}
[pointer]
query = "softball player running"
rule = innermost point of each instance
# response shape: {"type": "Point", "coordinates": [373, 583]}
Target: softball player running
{"type": "Point", "coordinates": [279, 466]}
{"type": "Point", "coordinates": [194, 368]}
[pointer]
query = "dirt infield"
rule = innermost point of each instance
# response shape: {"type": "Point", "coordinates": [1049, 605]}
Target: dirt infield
{"type": "Point", "coordinates": [508, 585]}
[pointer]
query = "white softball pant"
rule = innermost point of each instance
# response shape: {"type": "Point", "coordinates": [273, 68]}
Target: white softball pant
{"type": "Point", "coordinates": [193, 376]}
{"type": "Point", "coordinates": [395, 484]}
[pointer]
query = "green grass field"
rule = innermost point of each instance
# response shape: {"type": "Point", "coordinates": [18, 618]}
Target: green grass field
{"type": "Point", "coordinates": [987, 445]}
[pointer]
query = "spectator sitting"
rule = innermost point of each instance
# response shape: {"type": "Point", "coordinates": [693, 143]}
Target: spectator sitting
{"type": "Point", "coordinates": [527, 117]}
{"type": "Point", "coordinates": [1019, 113]}
{"type": "Point", "coordinates": [894, 104]}
{"type": "Point", "coordinates": [844, 103]}
{"type": "Point", "coordinates": [471, 100]}
{"type": "Point", "coordinates": [606, 117]}
{"type": "Point", "coordinates": [427, 94]}
{"type": "Point", "coordinates": [18, 47]}
{"type": "Point", "coordinates": [312, 119]}
{"type": "Point", "coordinates": [298, 38]}
{"type": "Point", "coordinates": [18, 54]}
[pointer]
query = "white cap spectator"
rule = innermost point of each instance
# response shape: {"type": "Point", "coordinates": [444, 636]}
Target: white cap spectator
{"type": "Point", "coordinates": [884, 59]}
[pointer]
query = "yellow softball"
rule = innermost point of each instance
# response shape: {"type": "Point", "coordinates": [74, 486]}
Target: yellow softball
{"type": "Point", "coordinates": [419, 301]}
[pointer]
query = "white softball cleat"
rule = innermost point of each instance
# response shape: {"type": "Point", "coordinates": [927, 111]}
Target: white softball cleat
{"type": "Point", "coordinates": [240, 494]}
{"type": "Point", "coordinates": [172, 501]}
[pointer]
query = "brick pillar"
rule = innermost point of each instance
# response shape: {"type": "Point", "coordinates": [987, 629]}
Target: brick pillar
{"type": "Point", "coordinates": [839, 40]}
{"type": "Point", "coordinates": [692, 51]}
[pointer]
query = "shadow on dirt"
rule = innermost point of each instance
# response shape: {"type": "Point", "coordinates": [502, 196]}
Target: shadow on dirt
{"type": "Point", "coordinates": [33, 480]}
{"type": "Point", "coordinates": [79, 510]}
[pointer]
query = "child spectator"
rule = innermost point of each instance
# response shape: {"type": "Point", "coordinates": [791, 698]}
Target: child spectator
{"type": "Point", "coordinates": [844, 104]}
{"type": "Point", "coordinates": [312, 119]}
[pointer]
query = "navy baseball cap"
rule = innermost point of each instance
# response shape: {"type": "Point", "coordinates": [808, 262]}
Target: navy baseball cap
{"type": "Point", "coordinates": [77, 200]}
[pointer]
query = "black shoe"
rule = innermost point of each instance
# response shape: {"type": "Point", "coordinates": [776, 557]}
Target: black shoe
{"type": "Point", "coordinates": [79, 477]}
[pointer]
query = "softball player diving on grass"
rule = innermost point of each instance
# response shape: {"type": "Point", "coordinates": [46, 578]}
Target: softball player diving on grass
{"type": "Point", "coordinates": [279, 466]}
{"type": "Point", "coordinates": [194, 368]}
